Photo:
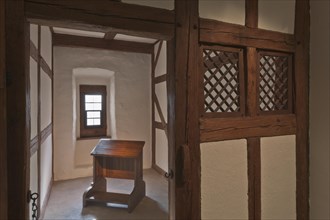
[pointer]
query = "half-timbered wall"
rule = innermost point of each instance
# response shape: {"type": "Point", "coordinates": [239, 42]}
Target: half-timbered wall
{"type": "Point", "coordinates": [41, 76]}
{"type": "Point", "coordinates": [159, 108]}
{"type": "Point", "coordinates": [251, 118]}
{"type": "Point", "coordinates": [227, 67]}
{"type": "Point", "coordinates": [132, 104]}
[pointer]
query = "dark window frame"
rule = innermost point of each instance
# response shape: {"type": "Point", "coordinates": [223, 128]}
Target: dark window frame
{"type": "Point", "coordinates": [92, 131]}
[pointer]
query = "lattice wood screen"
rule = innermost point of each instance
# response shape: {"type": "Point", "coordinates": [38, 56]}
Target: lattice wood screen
{"type": "Point", "coordinates": [223, 77]}
{"type": "Point", "coordinates": [275, 82]}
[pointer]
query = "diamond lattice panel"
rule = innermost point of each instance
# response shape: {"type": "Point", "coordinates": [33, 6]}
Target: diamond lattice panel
{"type": "Point", "coordinates": [221, 81]}
{"type": "Point", "coordinates": [274, 83]}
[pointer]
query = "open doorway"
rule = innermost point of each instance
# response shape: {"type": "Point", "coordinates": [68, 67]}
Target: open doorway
{"type": "Point", "coordinates": [136, 103]}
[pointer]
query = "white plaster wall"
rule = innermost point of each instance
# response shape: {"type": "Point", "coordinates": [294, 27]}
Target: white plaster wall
{"type": "Point", "coordinates": [224, 180]}
{"type": "Point", "coordinates": [319, 111]}
{"type": "Point", "coordinates": [46, 100]}
{"type": "Point", "coordinates": [165, 4]}
{"type": "Point", "coordinates": [34, 34]}
{"type": "Point", "coordinates": [277, 15]}
{"type": "Point", "coordinates": [45, 167]}
{"type": "Point", "coordinates": [33, 97]}
{"type": "Point", "coordinates": [132, 104]}
{"type": "Point", "coordinates": [223, 10]}
{"type": "Point", "coordinates": [33, 111]}
{"type": "Point", "coordinates": [161, 144]}
{"type": "Point", "coordinates": [46, 45]}
{"type": "Point", "coordinates": [278, 177]}
{"type": "Point", "coordinates": [91, 76]}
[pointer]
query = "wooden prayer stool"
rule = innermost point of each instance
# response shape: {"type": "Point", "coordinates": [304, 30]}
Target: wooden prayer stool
{"type": "Point", "coordinates": [116, 159]}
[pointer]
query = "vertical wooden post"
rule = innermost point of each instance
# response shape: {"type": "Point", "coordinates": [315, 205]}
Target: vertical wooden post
{"type": "Point", "coordinates": [3, 134]}
{"type": "Point", "coordinates": [251, 13]}
{"type": "Point", "coordinates": [301, 68]}
{"type": "Point", "coordinates": [39, 119]}
{"type": "Point", "coordinates": [18, 102]}
{"type": "Point", "coordinates": [253, 144]}
{"type": "Point", "coordinates": [153, 129]}
{"type": "Point", "coordinates": [170, 84]}
{"type": "Point", "coordinates": [188, 187]}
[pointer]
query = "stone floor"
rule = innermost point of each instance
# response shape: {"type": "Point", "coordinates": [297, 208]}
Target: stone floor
{"type": "Point", "coordinates": [66, 200]}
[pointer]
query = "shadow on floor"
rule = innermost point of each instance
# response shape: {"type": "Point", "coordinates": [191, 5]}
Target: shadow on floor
{"type": "Point", "coordinates": [147, 209]}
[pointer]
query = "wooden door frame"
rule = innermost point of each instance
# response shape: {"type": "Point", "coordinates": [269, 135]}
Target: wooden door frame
{"type": "Point", "coordinates": [3, 134]}
{"type": "Point", "coordinates": [187, 30]}
{"type": "Point", "coordinates": [18, 111]}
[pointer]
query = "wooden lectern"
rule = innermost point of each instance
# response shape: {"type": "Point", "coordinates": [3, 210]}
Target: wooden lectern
{"type": "Point", "coordinates": [116, 159]}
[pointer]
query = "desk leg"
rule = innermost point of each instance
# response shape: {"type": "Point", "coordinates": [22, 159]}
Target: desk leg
{"type": "Point", "coordinates": [137, 195]}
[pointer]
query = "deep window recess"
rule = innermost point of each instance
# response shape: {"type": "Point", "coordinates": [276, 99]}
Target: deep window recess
{"type": "Point", "coordinates": [223, 77]}
{"type": "Point", "coordinates": [275, 82]}
{"type": "Point", "coordinates": [93, 121]}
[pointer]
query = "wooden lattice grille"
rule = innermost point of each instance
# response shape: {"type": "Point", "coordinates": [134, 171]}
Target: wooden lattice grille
{"type": "Point", "coordinates": [222, 77]}
{"type": "Point", "coordinates": [275, 87]}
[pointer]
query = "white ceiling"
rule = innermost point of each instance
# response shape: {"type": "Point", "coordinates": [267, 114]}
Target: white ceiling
{"type": "Point", "coordinates": [83, 33]}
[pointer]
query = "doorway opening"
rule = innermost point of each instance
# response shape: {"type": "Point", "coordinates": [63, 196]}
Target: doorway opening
{"type": "Point", "coordinates": [136, 109]}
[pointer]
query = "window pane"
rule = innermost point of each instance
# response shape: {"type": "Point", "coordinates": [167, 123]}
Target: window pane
{"type": "Point", "coordinates": [89, 106]}
{"type": "Point", "coordinates": [97, 121]}
{"type": "Point", "coordinates": [93, 114]}
{"type": "Point", "coordinates": [90, 122]}
{"type": "Point", "coordinates": [93, 106]}
{"type": "Point", "coordinates": [93, 98]}
{"type": "Point", "coordinates": [97, 106]}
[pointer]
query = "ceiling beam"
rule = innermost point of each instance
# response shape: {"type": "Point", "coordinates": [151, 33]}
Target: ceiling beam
{"type": "Point", "coordinates": [104, 16]}
{"type": "Point", "coordinates": [100, 43]}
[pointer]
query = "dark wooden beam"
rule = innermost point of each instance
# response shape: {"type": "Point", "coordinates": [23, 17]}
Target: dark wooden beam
{"type": "Point", "coordinates": [46, 132]}
{"type": "Point", "coordinates": [187, 54]}
{"type": "Point", "coordinates": [3, 121]}
{"type": "Point", "coordinates": [160, 113]}
{"type": "Point", "coordinates": [18, 114]}
{"type": "Point", "coordinates": [212, 31]}
{"type": "Point", "coordinates": [97, 43]}
{"type": "Point", "coordinates": [171, 122]}
{"type": "Point", "coordinates": [160, 79]}
{"type": "Point", "coordinates": [34, 53]}
{"type": "Point", "coordinates": [254, 178]}
{"type": "Point", "coordinates": [104, 16]}
{"type": "Point", "coordinates": [251, 13]}
{"type": "Point", "coordinates": [218, 129]}
{"type": "Point", "coordinates": [301, 68]}
{"type": "Point", "coordinates": [110, 35]}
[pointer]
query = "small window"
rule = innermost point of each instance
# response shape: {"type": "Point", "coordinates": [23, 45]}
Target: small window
{"type": "Point", "coordinates": [93, 111]}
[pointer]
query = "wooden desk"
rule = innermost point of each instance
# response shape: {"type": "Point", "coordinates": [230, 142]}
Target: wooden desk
{"type": "Point", "coordinates": [116, 159]}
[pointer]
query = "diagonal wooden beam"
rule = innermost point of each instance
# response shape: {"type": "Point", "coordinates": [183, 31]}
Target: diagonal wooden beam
{"type": "Point", "coordinates": [102, 16]}
{"type": "Point", "coordinates": [90, 42]}
{"type": "Point", "coordinates": [110, 35]}
{"type": "Point", "coordinates": [162, 118]}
